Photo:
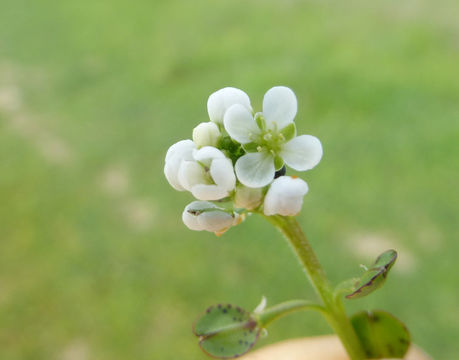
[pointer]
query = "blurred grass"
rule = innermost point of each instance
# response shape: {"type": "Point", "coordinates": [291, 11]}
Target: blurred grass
{"type": "Point", "coordinates": [94, 260]}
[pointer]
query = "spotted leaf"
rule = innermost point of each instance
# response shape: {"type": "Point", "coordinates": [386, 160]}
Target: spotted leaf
{"type": "Point", "coordinates": [374, 277]}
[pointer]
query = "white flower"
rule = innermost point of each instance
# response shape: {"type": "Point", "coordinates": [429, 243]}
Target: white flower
{"type": "Point", "coordinates": [222, 99]}
{"type": "Point", "coordinates": [270, 138]}
{"type": "Point", "coordinates": [285, 196]}
{"type": "Point", "coordinates": [177, 153]}
{"type": "Point", "coordinates": [209, 175]}
{"type": "Point", "coordinates": [206, 134]}
{"type": "Point", "coordinates": [203, 215]}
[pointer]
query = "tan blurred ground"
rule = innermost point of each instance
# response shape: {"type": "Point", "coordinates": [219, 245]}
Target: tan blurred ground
{"type": "Point", "coordinates": [314, 348]}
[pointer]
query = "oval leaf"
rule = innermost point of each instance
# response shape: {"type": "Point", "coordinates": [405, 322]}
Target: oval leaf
{"type": "Point", "coordinates": [386, 259]}
{"type": "Point", "coordinates": [381, 334]}
{"type": "Point", "coordinates": [374, 278]}
{"type": "Point", "coordinates": [226, 331]}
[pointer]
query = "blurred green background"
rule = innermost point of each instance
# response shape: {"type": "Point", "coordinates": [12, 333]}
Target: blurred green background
{"type": "Point", "coordinates": [95, 262]}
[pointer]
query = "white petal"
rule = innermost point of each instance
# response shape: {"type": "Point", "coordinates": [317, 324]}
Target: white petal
{"type": "Point", "coordinates": [181, 149]}
{"type": "Point", "coordinates": [279, 106]}
{"type": "Point", "coordinates": [221, 171]}
{"type": "Point", "coordinates": [206, 134]}
{"type": "Point", "coordinates": [240, 124]}
{"type": "Point", "coordinates": [206, 154]}
{"type": "Point", "coordinates": [190, 220]}
{"type": "Point", "coordinates": [302, 152]}
{"type": "Point", "coordinates": [190, 174]}
{"type": "Point", "coordinates": [285, 196]}
{"type": "Point", "coordinates": [171, 172]}
{"type": "Point", "coordinates": [255, 169]}
{"type": "Point", "coordinates": [209, 192]}
{"type": "Point", "coordinates": [175, 155]}
{"type": "Point", "coordinates": [215, 221]}
{"type": "Point", "coordinates": [221, 100]}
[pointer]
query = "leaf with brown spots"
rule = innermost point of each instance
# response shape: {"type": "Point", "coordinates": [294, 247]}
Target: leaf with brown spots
{"type": "Point", "coordinates": [374, 278]}
{"type": "Point", "coordinates": [381, 334]}
{"type": "Point", "coordinates": [226, 331]}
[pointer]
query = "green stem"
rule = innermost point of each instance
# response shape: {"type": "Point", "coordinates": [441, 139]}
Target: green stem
{"type": "Point", "coordinates": [335, 313]}
{"type": "Point", "coordinates": [272, 313]}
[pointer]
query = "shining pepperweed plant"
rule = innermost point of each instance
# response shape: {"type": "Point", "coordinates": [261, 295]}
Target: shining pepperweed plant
{"type": "Point", "coordinates": [236, 164]}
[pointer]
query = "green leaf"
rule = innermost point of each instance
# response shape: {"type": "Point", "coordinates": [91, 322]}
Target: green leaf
{"type": "Point", "coordinates": [381, 334]}
{"type": "Point", "coordinates": [386, 259]}
{"type": "Point", "coordinates": [289, 131]}
{"type": "Point", "coordinates": [226, 331]}
{"type": "Point", "coordinates": [345, 287]}
{"type": "Point", "coordinates": [373, 278]}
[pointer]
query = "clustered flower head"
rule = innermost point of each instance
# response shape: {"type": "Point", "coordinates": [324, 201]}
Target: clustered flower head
{"type": "Point", "coordinates": [238, 159]}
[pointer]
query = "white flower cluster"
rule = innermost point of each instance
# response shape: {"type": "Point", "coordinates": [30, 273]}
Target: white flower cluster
{"type": "Point", "coordinates": [239, 156]}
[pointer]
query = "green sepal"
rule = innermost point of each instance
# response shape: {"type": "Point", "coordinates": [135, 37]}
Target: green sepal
{"type": "Point", "coordinates": [289, 131]}
{"type": "Point", "coordinates": [197, 212]}
{"type": "Point", "coordinates": [373, 278]}
{"type": "Point", "coordinates": [381, 334]}
{"type": "Point", "coordinates": [226, 331]}
{"type": "Point", "coordinates": [250, 147]}
{"type": "Point", "coordinates": [260, 120]}
{"type": "Point", "coordinates": [278, 162]}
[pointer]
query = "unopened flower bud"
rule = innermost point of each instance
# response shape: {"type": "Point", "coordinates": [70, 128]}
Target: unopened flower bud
{"type": "Point", "coordinates": [248, 198]}
{"type": "Point", "coordinates": [285, 196]}
{"type": "Point", "coordinates": [204, 215]}
{"type": "Point", "coordinates": [177, 153]}
{"type": "Point", "coordinates": [206, 134]}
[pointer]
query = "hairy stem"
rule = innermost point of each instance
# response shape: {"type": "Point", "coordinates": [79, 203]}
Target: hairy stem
{"type": "Point", "coordinates": [273, 313]}
{"type": "Point", "coordinates": [335, 313]}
